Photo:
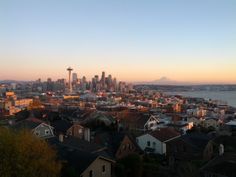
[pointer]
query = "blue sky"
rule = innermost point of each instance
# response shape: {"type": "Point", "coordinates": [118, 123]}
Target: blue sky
{"type": "Point", "coordinates": [187, 40]}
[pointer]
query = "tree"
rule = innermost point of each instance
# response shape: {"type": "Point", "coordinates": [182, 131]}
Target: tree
{"type": "Point", "coordinates": [25, 155]}
{"type": "Point", "coordinates": [129, 166]}
{"type": "Point", "coordinates": [24, 114]}
{"type": "Point", "coordinates": [187, 169]}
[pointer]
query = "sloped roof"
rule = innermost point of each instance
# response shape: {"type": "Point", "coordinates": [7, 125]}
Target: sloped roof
{"type": "Point", "coordinates": [196, 140]}
{"type": "Point", "coordinates": [61, 125]}
{"type": "Point", "coordinates": [223, 165]}
{"type": "Point", "coordinates": [29, 123]}
{"type": "Point", "coordinates": [107, 119]}
{"type": "Point", "coordinates": [113, 140]}
{"type": "Point", "coordinates": [79, 159]}
{"type": "Point", "coordinates": [164, 134]}
{"type": "Point", "coordinates": [134, 118]}
{"type": "Point", "coordinates": [76, 143]}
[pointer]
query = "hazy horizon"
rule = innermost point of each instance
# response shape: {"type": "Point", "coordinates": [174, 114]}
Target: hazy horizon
{"type": "Point", "coordinates": [149, 82]}
{"type": "Point", "coordinates": [135, 41]}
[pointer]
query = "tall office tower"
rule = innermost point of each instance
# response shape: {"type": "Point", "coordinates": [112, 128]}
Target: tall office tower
{"type": "Point", "coordinates": [96, 78]}
{"type": "Point", "coordinates": [109, 81]}
{"type": "Point", "coordinates": [93, 84]}
{"type": "Point", "coordinates": [84, 80]}
{"type": "Point", "coordinates": [114, 84]}
{"type": "Point", "coordinates": [49, 84]}
{"type": "Point", "coordinates": [103, 80]}
{"type": "Point", "coordinates": [69, 84]}
{"type": "Point", "coordinates": [74, 78]}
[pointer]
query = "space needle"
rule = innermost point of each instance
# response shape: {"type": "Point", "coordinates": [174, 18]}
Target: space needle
{"type": "Point", "coordinates": [70, 85]}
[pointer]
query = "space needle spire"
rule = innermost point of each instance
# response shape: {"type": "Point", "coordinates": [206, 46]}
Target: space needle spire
{"type": "Point", "coordinates": [69, 83]}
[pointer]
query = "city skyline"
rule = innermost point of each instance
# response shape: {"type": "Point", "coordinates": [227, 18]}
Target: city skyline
{"type": "Point", "coordinates": [135, 41]}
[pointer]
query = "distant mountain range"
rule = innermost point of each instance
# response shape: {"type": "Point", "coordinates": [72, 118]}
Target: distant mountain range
{"type": "Point", "coordinates": [164, 81]}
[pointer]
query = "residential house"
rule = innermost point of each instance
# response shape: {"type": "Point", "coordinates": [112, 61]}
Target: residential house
{"type": "Point", "coordinates": [189, 146]}
{"type": "Point", "coordinates": [196, 121]}
{"type": "Point", "coordinates": [151, 123]}
{"type": "Point", "coordinates": [182, 126]}
{"type": "Point", "coordinates": [74, 143]}
{"type": "Point", "coordinates": [79, 131]}
{"type": "Point", "coordinates": [155, 141]}
{"type": "Point", "coordinates": [61, 126]}
{"type": "Point", "coordinates": [221, 166]}
{"type": "Point", "coordinates": [82, 158]}
{"type": "Point", "coordinates": [64, 127]}
{"type": "Point", "coordinates": [231, 124]}
{"type": "Point", "coordinates": [211, 122]}
{"type": "Point", "coordinates": [132, 121]}
{"type": "Point", "coordinates": [99, 118]}
{"type": "Point", "coordinates": [37, 126]}
{"type": "Point", "coordinates": [118, 144]}
{"type": "Point", "coordinates": [89, 165]}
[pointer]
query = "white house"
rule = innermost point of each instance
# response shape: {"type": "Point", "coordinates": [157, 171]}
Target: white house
{"type": "Point", "coordinates": [151, 123]}
{"type": "Point", "coordinates": [38, 127]}
{"type": "Point", "coordinates": [155, 141]}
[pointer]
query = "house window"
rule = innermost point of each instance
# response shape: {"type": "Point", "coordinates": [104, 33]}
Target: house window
{"type": "Point", "coordinates": [47, 132]}
{"type": "Point", "coordinates": [148, 143]}
{"type": "Point", "coordinates": [91, 173]}
{"type": "Point", "coordinates": [103, 168]}
{"type": "Point", "coordinates": [80, 131]}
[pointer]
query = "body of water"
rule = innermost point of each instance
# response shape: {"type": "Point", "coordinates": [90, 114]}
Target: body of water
{"type": "Point", "coordinates": [226, 96]}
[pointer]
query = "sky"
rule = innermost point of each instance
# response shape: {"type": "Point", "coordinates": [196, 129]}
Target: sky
{"type": "Point", "coordinates": [134, 40]}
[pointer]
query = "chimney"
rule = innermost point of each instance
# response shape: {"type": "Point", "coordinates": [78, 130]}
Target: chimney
{"type": "Point", "coordinates": [221, 149]}
{"type": "Point", "coordinates": [87, 134]}
{"type": "Point", "coordinates": [61, 138]}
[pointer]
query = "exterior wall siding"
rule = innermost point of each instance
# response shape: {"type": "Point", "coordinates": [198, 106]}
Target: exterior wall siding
{"type": "Point", "coordinates": [157, 145]}
{"type": "Point", "coordinates": [41, 131]}
{"type": "Point", "coordinates": [76, 131]}
{"type": "Point", "coordinates": [96, 167]}
{"type": "Point", "coordinates": [126, 147]}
